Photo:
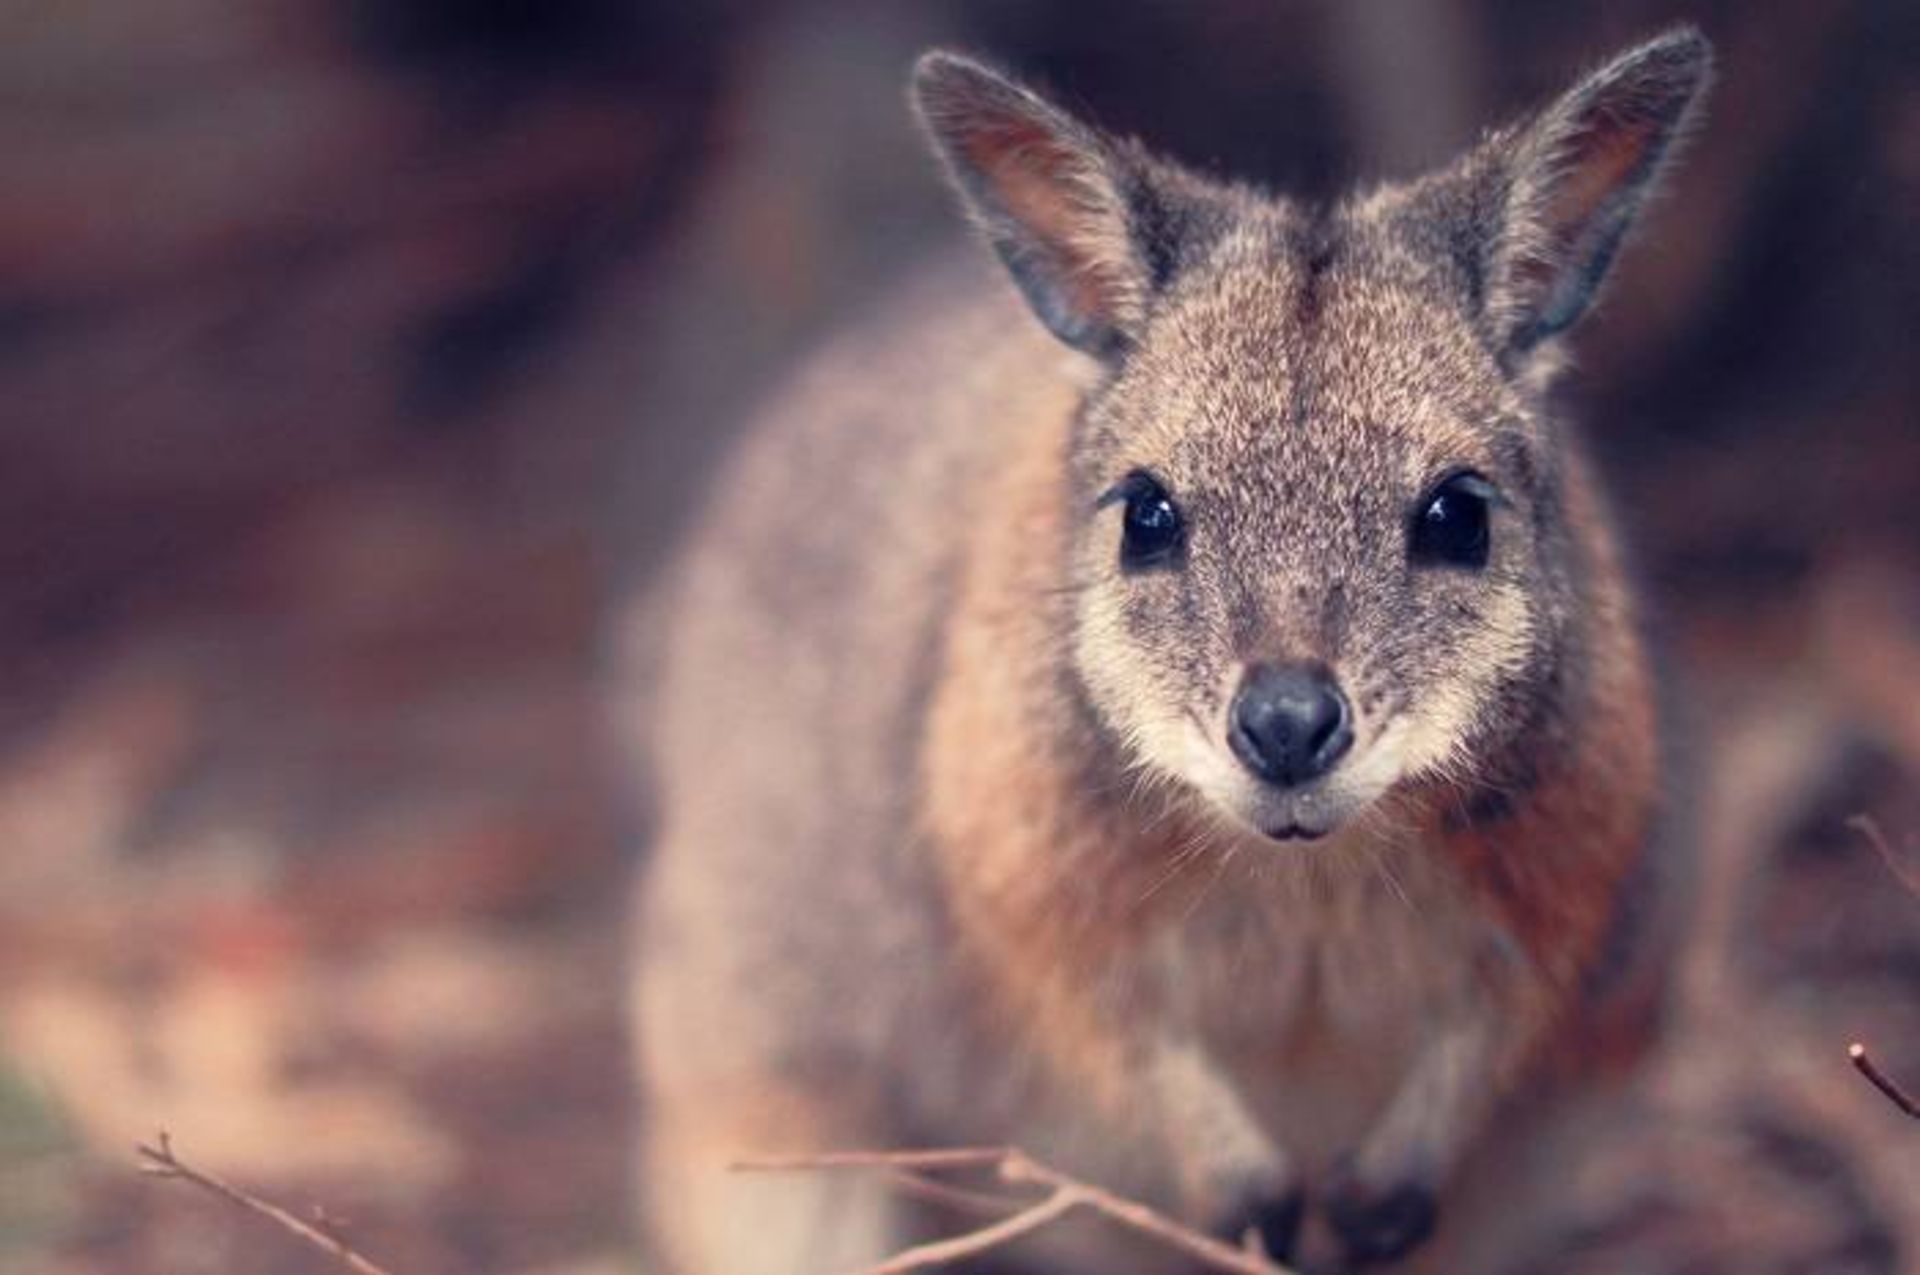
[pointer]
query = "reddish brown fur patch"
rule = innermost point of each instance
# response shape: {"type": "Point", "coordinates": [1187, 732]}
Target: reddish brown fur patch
{"type": "Point", "coordinates": [1556, 870]}
{"type": "Point", "coordinates": [1050, 892]}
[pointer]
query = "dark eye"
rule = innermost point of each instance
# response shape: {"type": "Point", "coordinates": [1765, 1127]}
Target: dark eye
{"type": "Point", "coordinates": [1151, 528]}
{"type": "Point", "coordinates": [1450, 526]}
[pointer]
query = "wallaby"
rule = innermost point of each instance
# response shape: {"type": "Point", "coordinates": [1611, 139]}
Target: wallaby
{"type": "Point", "coordinates": [1201, 737]}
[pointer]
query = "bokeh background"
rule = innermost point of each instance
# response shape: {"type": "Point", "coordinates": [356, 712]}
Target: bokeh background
{"type": "Point", "coordinates": [357, 357]}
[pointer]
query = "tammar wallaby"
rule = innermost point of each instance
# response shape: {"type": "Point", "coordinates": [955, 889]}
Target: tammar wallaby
{"type": "Point", "coordinates": [1200, 737]}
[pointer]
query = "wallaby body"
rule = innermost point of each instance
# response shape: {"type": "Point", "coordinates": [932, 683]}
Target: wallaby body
{"type": "Point", "coordinates": [1200, 737]}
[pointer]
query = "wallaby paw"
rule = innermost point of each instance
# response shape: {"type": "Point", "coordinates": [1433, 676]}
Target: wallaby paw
{"type": "Point", "coordinates": [1271, 1212]}
{"type": "Point", "coordinates": [1378, 1223]}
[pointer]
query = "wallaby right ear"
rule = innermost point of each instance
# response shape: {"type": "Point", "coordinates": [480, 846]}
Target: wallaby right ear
{"type": "Point", "coordinates": [1052, 195]}
{"type": "Point", "coordinates": [1574, 179]}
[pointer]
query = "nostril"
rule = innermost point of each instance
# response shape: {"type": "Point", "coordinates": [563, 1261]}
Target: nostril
{"type": "Point", "coordinates": [1289, 725]}
{"type": "Point", "coordinates": [1332, 735]}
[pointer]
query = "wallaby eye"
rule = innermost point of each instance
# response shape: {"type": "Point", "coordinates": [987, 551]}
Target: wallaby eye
{"type": "Point", "coordinates": [1450, 526]}
{"type": "Point", "coordinates": [1151, 528]}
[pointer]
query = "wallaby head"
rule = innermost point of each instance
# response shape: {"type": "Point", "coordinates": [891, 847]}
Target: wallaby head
{"type": "Point", "coordinates": [1320, 546]}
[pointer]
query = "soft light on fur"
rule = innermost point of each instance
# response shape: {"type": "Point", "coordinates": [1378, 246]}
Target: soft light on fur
{"type": "Point", "coordinates": [953, 846]}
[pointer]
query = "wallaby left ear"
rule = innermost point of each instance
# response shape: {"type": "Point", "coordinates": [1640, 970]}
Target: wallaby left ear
{"type": "Point", "coordinates": [1574, 178]}
{"type": "Point", "coordinates": [1065, 206]}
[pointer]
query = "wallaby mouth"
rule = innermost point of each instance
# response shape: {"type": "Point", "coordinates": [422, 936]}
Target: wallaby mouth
{"type": "Point", "coordinates": [1280, 816]}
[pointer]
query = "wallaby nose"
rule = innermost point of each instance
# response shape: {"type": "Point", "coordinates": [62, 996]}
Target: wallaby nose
{"type": "Point", "coordinates": [1290, 724]}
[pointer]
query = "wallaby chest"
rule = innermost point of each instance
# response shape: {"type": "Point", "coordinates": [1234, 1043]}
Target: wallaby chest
{"type": "Point", "coordinates": [1330, 974]}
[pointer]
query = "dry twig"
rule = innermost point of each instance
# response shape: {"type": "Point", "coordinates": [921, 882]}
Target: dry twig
{"type": "Point", "coordinates": [1909, 876]}
{"type": "Point", "coordinates": [1863, 1062]}
{"type": "Point", "coordinates": [1904, 871]}
{"type": "Point", "coordinates": [959, 1199]}
{"type": "Point", "coordinates": [1017, 1169]}
{"type": "Point", "coordinates": [160, 1161]}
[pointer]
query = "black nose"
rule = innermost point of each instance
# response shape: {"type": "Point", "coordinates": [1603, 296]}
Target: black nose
{"type": "Point", "coordinates": [1290, 724]}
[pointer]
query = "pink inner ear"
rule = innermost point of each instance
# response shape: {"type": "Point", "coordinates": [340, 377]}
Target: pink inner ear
{"type": "Point", "coordinates": [1601, 160]}
{"type": "Point", "coordinates": [1597, 163]}
{"type": "Point", "coordinates": [1048, 189]}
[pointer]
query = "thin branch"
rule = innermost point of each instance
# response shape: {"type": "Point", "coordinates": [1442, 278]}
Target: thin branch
{"type": "Point", "coordinates": [160, 1161]}
{"type": "Point", "coordinates": [960, 1199]}
{"type": "Point", "coordinates": [1017, 1168]}
{"type": "Point", "coordinates": [940, 1252]}
{"type": "Point", "coordinates": [1864, 1064]}
{"type": "Point", "coordinates": [1906, 873]}
{"type": "Point", "coordinates": [1202, 1248]}
{"type": "Point", "coordinates": [945, 1158]}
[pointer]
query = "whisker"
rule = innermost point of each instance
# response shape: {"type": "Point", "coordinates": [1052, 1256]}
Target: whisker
{"type": "Point", "coordinates": [1193, 849]}
{"type": "Point", "coordinates": [1382, 856]}
{"type": "Point", "coordinates": [1226, 861]}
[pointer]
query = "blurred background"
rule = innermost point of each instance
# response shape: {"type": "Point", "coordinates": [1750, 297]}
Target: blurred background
{"type": "Point", "coordinates": [357, 357]}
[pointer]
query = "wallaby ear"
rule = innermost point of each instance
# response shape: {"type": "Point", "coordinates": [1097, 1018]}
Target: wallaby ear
{"type": "Point", "coordinates": [1054, 197]}
{"type": "Point", "coordinates": [1574, 177]}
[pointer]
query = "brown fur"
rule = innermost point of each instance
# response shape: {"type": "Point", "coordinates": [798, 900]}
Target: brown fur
{"type": "Point", "coordinates": [953, 848]}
